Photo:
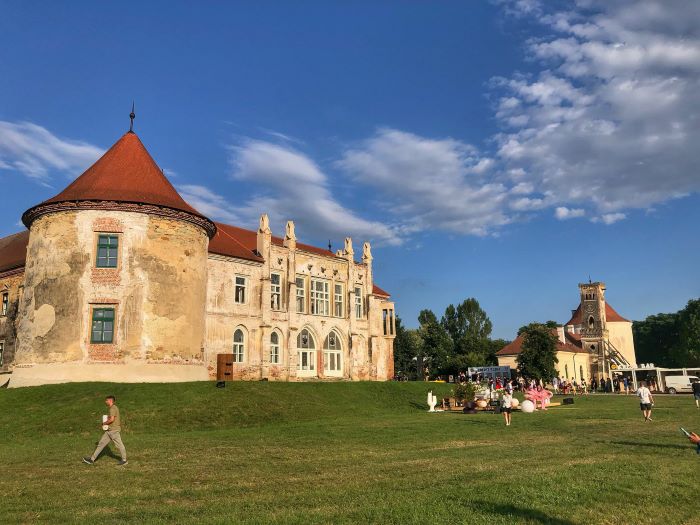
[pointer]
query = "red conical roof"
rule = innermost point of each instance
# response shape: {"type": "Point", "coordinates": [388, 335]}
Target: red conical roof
{"type": "Point", "coordinates": [126, 173]}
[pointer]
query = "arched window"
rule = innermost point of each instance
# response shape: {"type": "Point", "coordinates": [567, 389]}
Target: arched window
{"type": "Point", "coordinates": [581, 372]}
{"type": "Point", "coordinates": [591, 322]}
{"type": "Point", "coordinates": [238, 346]}
{"type": "Point", "coordinates": [306, 346]}
{"type": "Point", "coordinates": [332, 354]}
{"type": "Point", "coordinates": [566, 372]}
{"type": "Point", "coordinates": [274, 348]}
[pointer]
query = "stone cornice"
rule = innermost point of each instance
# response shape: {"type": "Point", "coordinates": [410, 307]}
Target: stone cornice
{"type": "Point", "coordinates": [34, 213]}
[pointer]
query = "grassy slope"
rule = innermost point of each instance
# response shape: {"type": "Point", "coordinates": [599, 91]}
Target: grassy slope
{"type": "Point", "coordinates": [340, 452]}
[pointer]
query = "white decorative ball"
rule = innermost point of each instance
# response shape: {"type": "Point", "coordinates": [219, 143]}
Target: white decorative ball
{"type": "Point", "coordinates": [482, 403]}
{"type": "Point", "coordinates": [528, 406]}
{"type": "Point", "coordinates": [514, 403]}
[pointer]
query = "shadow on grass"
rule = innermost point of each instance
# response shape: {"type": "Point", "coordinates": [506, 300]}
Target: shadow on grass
{"type": "Point", "coordinates": [513, 511]}
{"type": "Point", "coordinates": [645, 444]}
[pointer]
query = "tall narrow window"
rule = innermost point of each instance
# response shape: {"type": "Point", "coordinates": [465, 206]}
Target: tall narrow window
{"type": "Point", "coordinates": [338, 300]}
{"type": "Point", "coordinates": [274, 348]}
{"type": "Point", "coordinates": [385, 319]}
{"type": "Point", "coordinates": [5, 303]}
{"type": "Point", "coordinates": [306, 347]}
{"type": "Point", "coordinates": [107, 251]}
{"type": "Point", "coordinates": [581, 372]}
{"type": "Point", "coordinates": [2, 352]}
{"type": "Point", "coordinates": [359, 311]}
{"type": "Point", "coordinates": [238, 346]}
{"type": "Point", "coordinates": [275, 291]}
{"type": "Point", "coordinates": [320, 300]}
{"type": "Point", "coordinates": [102, 325]}
{"type": "Point", "coordinates": [332, 354]}
{"type": "Point", "coordinates": [566, 372]}
{"type": "Point", "coordinates": [391, 322]}
{"type": "Point", "coordinates": [301, 294]}
{"type": "Point", "coordinates": [241, 289]}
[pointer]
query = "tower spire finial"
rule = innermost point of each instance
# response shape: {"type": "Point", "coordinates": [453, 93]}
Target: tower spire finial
{"type": "Point", "coordinates": [132, 116]}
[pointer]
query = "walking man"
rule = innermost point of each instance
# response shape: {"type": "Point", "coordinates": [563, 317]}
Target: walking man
{"type": "Point", "coordinates": [696, 393]}
{"type": "Point", "coordinates": [112, 433]}
{"type": "Point", "coordinates": [646, 400]}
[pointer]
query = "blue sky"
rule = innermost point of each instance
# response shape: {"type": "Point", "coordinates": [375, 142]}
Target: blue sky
{"type": "Point", "coordinates": [499, 150]}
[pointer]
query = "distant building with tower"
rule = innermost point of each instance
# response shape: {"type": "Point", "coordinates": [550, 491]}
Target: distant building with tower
{"type": "Point", "coordinates": [592, 343]}
{"type": "Point", "coordinates": [117, 278]}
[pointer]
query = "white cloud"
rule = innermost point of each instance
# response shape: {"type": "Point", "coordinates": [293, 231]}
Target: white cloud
{"type": "Point", "coordinates": [293, 186]}
{"type": "Point", "coordinates": [208, 203]}
{"type": "Point", "coordinates": [37, 153]}
{"type": "Point", "coordinates": [612, 120]}
{"type": "Point", "coordinates": [563, 213]}
{"type": "Point", "coordinates": [441, 184]}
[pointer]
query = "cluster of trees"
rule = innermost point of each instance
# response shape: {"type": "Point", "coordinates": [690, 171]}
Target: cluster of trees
{"type": "Point", "coordinates": [670, 340]}
{"type": "Point", "coordinates": [453, 343]}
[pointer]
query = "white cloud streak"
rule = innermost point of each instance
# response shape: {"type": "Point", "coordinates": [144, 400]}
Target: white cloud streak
{"type": "Point", "coordinates": [37, 153]}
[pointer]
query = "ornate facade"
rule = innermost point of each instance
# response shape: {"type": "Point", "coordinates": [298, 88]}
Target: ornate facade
{"type": "Point", "coordinates": [117, 278]}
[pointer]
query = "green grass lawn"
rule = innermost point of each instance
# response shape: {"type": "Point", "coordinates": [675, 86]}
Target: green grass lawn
{"type": "Point", "coordinates": [340, 453]}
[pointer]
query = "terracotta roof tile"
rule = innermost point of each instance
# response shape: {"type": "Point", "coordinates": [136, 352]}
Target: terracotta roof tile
{"type": "Point", "coordinates": [515, 347]}
{"type": "Point", "coordinates": [13, 251]}
{"type": "Point", "coordinates": [125, 173]}
{"type": "Point", "coordinates": [378, 291]}
{"type": "Point", "coordinates": [611, 316]}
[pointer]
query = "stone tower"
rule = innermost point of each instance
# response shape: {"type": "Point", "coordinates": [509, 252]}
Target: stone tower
{"type": "Point", "coordinates": [116, 274]}
{"type": "Point", "coordinates": [594, 333]}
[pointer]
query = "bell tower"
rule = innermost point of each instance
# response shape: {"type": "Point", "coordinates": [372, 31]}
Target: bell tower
{"type": "Point", "coordinates": [594, 332]}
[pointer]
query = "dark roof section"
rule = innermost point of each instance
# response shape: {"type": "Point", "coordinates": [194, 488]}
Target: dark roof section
{"type": "Point", "coordinates": [125, 173]}
{"type": "Point", "coordinates": [611, 316]}
{"type": "Point", "coordinates": [515, 347]}
{"type": "Point", "coordinates": [13, 251]}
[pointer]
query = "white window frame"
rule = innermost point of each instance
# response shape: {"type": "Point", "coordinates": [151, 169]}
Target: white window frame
{"type": "Point", "coordinates": [239, 346]}
{"type": "Point", "coordinates": [5, 303]}
{"type": "Point", "coordinates": [276, 291]}
{"type": "Point", "coordinates": [320, 298]}
{"type": "Point", "coordinates": [359, 304]}
{"type": "Point", "coordinates": [243, 286]}
{"type": "Point", "coordinates": [306, 354]}
{"type": "Point", "coordinates": [333, 354]}
{"type": "Point", "coordinates": [338, 300]}
{"type": "Point", "coordinates": [275, 348]}
{"type": "Point", "coordinates": [301, 294]}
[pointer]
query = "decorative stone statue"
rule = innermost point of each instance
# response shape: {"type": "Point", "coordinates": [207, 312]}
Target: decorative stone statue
{"type": "Point", "coordinates": [264, 223]}
{"type": "Point", "coordinates": [348, 246]}
{"type": "Point", "coordinates": [290, 234]}
{"type": "Point", "coordinates": [432, 401]}
{"type": "Point", "coordinates": [366, 252]}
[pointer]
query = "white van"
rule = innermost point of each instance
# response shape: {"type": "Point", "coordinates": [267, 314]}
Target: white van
{"type": "Point", "coordinates": [675, 384]}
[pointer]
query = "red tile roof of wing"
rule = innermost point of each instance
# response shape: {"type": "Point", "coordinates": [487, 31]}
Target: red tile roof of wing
{"type": "Point", "coordinates": [125, 173]}
{"type": "Point", "coordinates": [515, 347]}
{"type": "Point", "coordinates": [378, 291]}
{"type": "Point", "coordinates": [575, 339]}
{"type": "Point", "coordinates": [611, 316]}
{"type": "Point", "coordinates": [13, 251]}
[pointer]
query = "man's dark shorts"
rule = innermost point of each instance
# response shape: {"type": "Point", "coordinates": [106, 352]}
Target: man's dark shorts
{"type": "Point", "coordinates": [697, 397]}
{"type": "Point", "coordinates": [645, 406]}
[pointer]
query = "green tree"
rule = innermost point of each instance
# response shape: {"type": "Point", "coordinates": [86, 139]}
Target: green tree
{"type": "Point", "coordinates": [407, 346]}
{"type": "Point", "coordinates": [538, 358]}
{"type": "Point", "coordinates": [655, 338]}
{"type": "Point", "coordinates": [687, 351]}
{"type": "Point", "coordinates": [469, 328]}
{"type": "Point", "coordinates": [436, 344]}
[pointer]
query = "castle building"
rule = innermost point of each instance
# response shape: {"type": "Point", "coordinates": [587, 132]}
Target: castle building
{"type": "Point", "coordinates": [591, 344]}
{"type": "Point", "coordinates": [117, 278]}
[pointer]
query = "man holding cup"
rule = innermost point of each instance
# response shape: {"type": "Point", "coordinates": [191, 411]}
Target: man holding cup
{"type": "Point", "coordinates": [112, 426]}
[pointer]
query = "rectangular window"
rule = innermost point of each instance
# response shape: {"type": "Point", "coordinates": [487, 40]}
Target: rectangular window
{"type": "Point", "coordinates": [102, 325]}
{"type": "Point", "coordinates": [2, 352]}
{"type": "Point", "coordinates": [338, 301]}
{"type": "Point", "coordinates": [320, 297]}
{"type": "Point", "coordinates": [301, 294]}
{"type": "Point", "coordinates": [385, 319]}
{"type": "Point", "coordinates": [359, 311]}
{"type": "Point", "coordinates": [5, 303]}
{"type": "Point", "coordinates": [275, 291]}
{"type": "Point", "coordinates": [107, 251]}
{"type": "Point", "coordinates": [240, 292]}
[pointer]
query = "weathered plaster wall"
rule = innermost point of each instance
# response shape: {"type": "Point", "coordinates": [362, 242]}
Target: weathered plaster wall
{"type": "Point", "coordinates": [620, 335]}
{"type": "Point", "coordinates": [10, 283]}
{"type": "Point", "coordinates": [158, 289]}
